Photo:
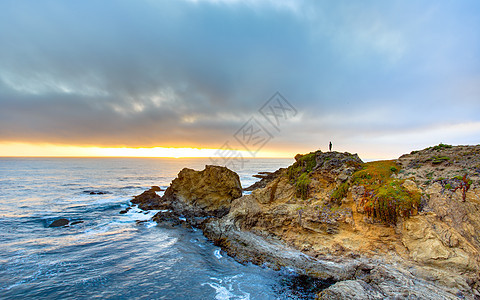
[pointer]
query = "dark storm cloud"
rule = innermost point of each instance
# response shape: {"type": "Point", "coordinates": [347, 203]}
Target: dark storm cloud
{"type": "Point", "coordinates": [181, 73]}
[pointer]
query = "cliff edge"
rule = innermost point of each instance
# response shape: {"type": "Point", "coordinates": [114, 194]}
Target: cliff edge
{"type": "Point", "coordinates": [404, 228]}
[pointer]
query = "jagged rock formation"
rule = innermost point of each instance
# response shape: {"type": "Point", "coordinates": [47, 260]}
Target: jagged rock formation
{"type": "Point", "coordinates": [420, 256]}
{"type": "Point", "coordinates": [193, 195]}
{"type": "Point", "coordinates": [266, 178]}
{"type": "Point", "coordinates": [406, 228]}
{"type": "Point", "coordinates": [203, 193]}
{"type": "Point", "coordinates": [148, 200]}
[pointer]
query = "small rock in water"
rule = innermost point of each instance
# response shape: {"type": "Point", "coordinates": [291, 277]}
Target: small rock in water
{"type": "Point", "coordinates": [156, 188]}
{"type": "Point", "coordinates": [59, 223]}
{"type": "Point", "coordinates": [125, 210]}
{"type": "Point", "coordinates": [95, 192]}
{"type": "Point", "coordinates": [76, 222]}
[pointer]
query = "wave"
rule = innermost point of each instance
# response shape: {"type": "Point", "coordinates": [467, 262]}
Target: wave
{"type": "Point", "coordinates": [227, 288]}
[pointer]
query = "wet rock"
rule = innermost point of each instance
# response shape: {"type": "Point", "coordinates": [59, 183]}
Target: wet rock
{"type": "Point", "coordinates": [76, 222]}
{"type": "Point", "coordinates": [148, 200]}
{"type": "Point", "coordinates": [167, 218]}
{"type": "Point", "coordinates": [95, 192]}
{"type": "Point", "coordinates": [59, 223]}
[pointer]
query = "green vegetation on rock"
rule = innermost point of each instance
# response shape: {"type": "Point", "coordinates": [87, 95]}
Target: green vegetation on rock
{"type": "Point", "coordinates": [440, 146]}
{"type": "Point", "coordinates": [304, 164]}
{"type": "Point", "coordinates": [439, 159]}
{"type": "Point", "coordinates": [340, 192]}
{"type": "Point", "coordinates": [298, 173]}
{"type": "Point", "coordinates": [385, 198]}
{"type": "Point", "coordinates": [301, 186]}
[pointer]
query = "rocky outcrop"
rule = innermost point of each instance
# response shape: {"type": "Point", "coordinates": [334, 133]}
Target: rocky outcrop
{"type": "Point", "coordinates": [192, 196]}
{"type": "Point", "coordinates": [406, 228]}
{"type": "Point", "coordinates": [148, 200]}
{"type": "Point", "coordinates": [265, 178]}
{"type": "Point", "coordinates": [431, 254]}
{"type": "Point", "coordinates": [203, 193]}
{"type": "Point", "coordinates": [445, 234]}
{"type": "Point", "coordinates": [59, 223]}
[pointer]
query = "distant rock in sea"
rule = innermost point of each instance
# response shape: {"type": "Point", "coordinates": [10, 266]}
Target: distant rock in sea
{"type": "Point", "coordinates": [59, 223]}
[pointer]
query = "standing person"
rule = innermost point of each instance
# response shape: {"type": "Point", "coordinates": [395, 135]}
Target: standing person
{"type": "Point", "coordinates": [330, 146]}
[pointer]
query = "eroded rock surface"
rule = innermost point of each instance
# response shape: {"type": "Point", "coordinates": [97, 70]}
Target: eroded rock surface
{"type": "Point", "coordinates": [432, 254]}
{"type": "Point", "coordinates": [148, 200]}
{"type": "Point", "coordinates": [193, 196]}
{"type": "Point", "coordinates": [329, 216]}
{"type": "Point", "coordinates": [203, 193]}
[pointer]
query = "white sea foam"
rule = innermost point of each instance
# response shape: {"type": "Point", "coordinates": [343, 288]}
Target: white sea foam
{"type": "Point", "coordinates": [224, 289]}
{"type": "Point", "coordinates": [217, 253]}
{"type": "Point", "coordinates": [150, 224]}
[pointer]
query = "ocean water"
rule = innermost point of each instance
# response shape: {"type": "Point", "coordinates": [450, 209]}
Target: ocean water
{"type": "Point", "coordinates": [110, 255]}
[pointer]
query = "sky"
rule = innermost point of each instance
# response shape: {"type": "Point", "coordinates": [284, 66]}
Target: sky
{"type": "Point", "coordinates": [266, 78]}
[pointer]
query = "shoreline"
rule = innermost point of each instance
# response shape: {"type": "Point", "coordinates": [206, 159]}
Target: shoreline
{"type": "Point", "coordinates": [314, 218]}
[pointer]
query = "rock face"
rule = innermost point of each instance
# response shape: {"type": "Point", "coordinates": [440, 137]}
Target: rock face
{"type": "Point", "coordinates": [148, 200]}
{"type": "Point", "coordinates": [431, 254]}
{"type": "Point", "coordinates": [400, 229]}
{"type": "Point", "coordinates": [446, 232]}
{"type": "Point", "coordinates": [266, 178]}
{"type": "Point", "coordinates": [193, 196]}
{"type": "Point", "coordinates": [203, 193]}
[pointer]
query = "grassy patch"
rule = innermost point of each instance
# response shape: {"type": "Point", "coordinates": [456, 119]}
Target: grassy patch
{"type": "Point", "coordinates": [439, 159]}
{"type": "Point", "coordinates": [301, 186]}
{"type": "Point", "coordinates": [340, 192]}
{"type": "Point", "coordinates": [304, 164]}
{"type": "Point", "coordinates": [440, 146]}
{"type": "Point", "coordinates": [299, 171]}
{"type": "Point", "coordinates": [385, 198]}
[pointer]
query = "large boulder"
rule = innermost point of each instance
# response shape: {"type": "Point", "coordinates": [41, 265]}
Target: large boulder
{"type": "Point", "coordinates": [203, 193]}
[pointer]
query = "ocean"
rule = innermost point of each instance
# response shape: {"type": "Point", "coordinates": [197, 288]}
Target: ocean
{"type": "Point", "coordinates": [104, 254]}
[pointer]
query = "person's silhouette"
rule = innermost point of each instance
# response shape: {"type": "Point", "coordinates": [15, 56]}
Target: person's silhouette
{"type": "Point", "coordinates": [330, 146]}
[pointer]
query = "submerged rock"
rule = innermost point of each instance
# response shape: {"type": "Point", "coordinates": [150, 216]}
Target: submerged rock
{"type": "Point", "coordinates": [59, 223]}
{"type": "Point", "coordinates": [95, 192]}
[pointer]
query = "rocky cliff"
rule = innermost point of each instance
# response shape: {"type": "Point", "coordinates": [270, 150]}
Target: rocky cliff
{"type": "Point", "coordinates": [405, 228]}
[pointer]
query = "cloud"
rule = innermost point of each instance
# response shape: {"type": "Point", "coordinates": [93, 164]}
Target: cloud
{"type": "Point", "coordinates": [190, 73]}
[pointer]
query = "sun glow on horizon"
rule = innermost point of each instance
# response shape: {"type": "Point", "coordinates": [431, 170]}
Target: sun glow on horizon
{"type": "Point", "coordinates": [52, 150]}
